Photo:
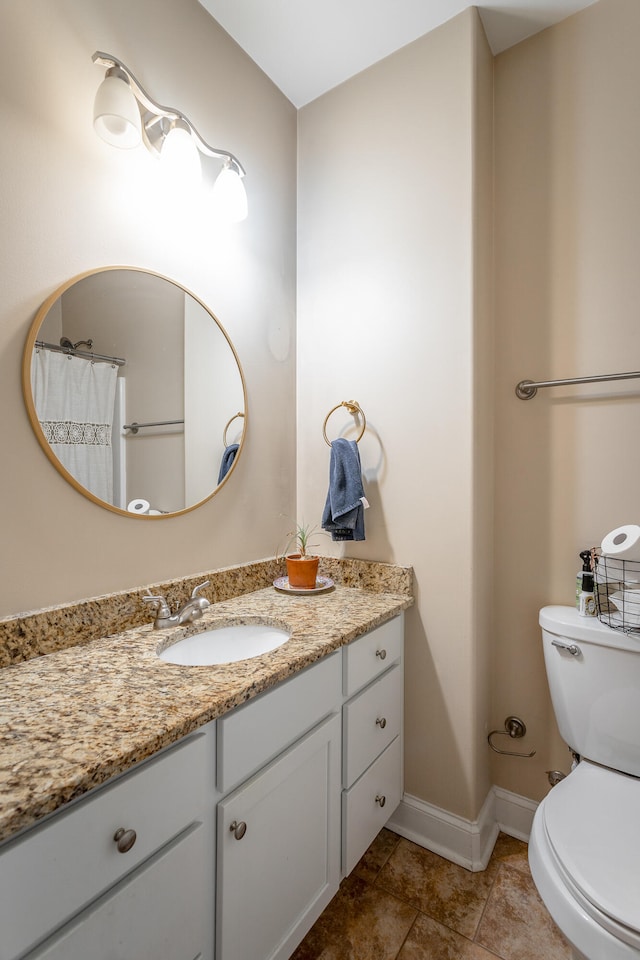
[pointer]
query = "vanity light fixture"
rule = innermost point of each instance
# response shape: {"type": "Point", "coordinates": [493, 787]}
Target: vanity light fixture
{"type": "Point", "coordinates": [125, 115]}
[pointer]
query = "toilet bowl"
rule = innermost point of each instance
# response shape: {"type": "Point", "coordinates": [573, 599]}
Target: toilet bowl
{"type": "Point", "coordinates": [584, 854]}
{"type": "Point", "coordinates": [584, 849]}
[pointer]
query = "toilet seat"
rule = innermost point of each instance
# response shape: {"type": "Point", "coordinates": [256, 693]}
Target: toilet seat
{"type": "Point", "coordinates": [591, 821]}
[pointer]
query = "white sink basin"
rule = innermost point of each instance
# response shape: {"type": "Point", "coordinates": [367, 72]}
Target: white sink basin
{"type": "Point", "coordinates": [225, 645]}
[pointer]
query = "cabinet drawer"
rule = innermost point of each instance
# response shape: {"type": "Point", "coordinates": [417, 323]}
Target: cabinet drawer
{"type": "Point", "coordinates": [158, 911]}
{"type": "Point", "coordinates": [57, 868]}
{"type": "Point", "coordinates": [370, 722]}
{"type": "Point", "coordinates": [371, 655]}
{"type": "Point", "coordinates": [362, 814]}
{"type": "Point", "coordinates": [258, 731]}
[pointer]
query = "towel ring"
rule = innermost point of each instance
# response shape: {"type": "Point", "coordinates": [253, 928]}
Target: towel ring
{"type": "Point", "coordinates": [224, 432]}
{"type": "Point", "coordinates": [353, 407]}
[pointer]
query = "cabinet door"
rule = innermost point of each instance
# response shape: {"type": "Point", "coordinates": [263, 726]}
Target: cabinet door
{"type": "Point", "coordinates": [279, 850]}
{"type": "Point", "coordinates": [159, 911]}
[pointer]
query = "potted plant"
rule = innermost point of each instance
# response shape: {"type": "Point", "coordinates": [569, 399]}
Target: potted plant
{"type": "Point", "coordinates": [302, 569]}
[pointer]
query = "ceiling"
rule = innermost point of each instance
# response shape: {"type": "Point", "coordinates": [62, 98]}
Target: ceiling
{"type": "Point", "coordinates": [308, 47]}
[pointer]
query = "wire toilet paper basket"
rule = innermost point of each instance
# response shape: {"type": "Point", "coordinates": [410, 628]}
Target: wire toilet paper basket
{"type": "Point", "coordinates": [617, 592]}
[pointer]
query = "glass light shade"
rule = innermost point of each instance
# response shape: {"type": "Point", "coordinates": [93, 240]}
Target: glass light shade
{"type": "Point", "coordinates": [116, 117]}
{"type": "Point", "coordinates": [228, 196]}
{"type": "Point", "coordinates": [180, 157]}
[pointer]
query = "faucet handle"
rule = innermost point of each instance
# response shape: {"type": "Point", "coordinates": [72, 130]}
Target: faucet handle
{"type": "Point", "coordinates": [194, 592]}
{"type": "Point", "coordinates": [163, 607]}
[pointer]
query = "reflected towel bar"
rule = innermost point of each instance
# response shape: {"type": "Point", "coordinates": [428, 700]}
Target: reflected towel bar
{"type": "Point", "coordinates": [134, 427]}
{"type": "Point", "coordinates": [229, 422]}
{"type": "Point", "coordinates": [527, 389]}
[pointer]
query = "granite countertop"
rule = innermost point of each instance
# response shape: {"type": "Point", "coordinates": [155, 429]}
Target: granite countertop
{"type": "Point", "coordinates": [72, 719]}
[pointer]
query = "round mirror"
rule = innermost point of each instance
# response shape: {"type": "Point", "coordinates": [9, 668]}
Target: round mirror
{"type": "Point", "coordinates": [135, 392]}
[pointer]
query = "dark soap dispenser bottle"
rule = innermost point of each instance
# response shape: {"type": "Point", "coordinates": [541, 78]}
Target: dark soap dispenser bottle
{"type": "Point", "coordinates": [585, 556]}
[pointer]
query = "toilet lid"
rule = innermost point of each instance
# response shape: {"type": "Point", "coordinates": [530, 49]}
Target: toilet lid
{"type": "Point", "coordinates": [592, 821]}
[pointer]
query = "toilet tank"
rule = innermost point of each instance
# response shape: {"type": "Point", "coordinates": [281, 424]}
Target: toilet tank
{"type": "Point", "coordinates": [594, 680]}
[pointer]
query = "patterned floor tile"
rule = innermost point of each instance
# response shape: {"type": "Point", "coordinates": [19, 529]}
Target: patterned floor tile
{"type": "Point", "coordinates": [377, 855]}
{"type": "Point", "coordinates": [430, 940]}
{"type": "Point", "coordinates": [361, 923]}
{"type": "Point", "coordinates": [512, 851]}
{"type": "Point", "coordinates": [515, 924]}
{"type": "Point", "coordinates": [435, 886]}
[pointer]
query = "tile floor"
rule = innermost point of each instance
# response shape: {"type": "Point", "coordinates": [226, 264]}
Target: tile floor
{"type": "Point", "coordinates": [402, 902]}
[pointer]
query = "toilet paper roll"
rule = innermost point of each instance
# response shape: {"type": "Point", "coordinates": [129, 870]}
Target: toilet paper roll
{"type": "Point", "coordinates": [623, 543]}
{"type": "Point", "coordinates": [628, 603]}
{"type": "Point", "coordinates": [138, 506]}
{"type": "Point", "coordinates": [612, 570]}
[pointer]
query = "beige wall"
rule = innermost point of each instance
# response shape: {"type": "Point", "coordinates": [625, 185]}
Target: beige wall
{"type": "Point", "coordinates": [394, 310]}
{"type": "Point", "coordinates": [483, 374]}
{"type": "Point", "coordinates": [388, 313]}
{"type": "Point", "coordinates": [567, 296]}
{"type": "Point", "coordinates": [71, 203]}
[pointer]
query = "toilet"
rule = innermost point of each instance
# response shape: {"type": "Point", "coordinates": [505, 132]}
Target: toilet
{"type": "Point", "coordinates": [584, 849]}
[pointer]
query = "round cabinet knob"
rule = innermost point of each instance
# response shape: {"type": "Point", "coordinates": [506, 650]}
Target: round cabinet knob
{"type": "Point", "coordinates": [124, 839]}
{"type": "Point", "coordinates": [381, 722]}
{"type": "Point", "coordinates": [238, 829]}
{"type": "Point", "coordinates": [382, 654]}
{"type": "Point", "coordinates": [381, 800]}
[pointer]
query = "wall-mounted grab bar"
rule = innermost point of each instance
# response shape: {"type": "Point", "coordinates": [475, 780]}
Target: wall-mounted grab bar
{"type": "Point", "coordinates": [134, 427]}
{"type": "Point", "coordinates": [527, 389]}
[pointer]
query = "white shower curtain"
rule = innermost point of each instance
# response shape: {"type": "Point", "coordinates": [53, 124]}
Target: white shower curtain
{"type": "Point", "coordinates": [74, 401]}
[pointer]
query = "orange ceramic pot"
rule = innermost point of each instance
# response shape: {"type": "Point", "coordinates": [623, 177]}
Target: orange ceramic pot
{"type": "Point", "coordinates": [302, 571]}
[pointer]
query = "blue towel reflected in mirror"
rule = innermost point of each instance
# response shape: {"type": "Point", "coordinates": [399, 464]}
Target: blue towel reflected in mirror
{"type": "Point", "coordinates": [228, 457]}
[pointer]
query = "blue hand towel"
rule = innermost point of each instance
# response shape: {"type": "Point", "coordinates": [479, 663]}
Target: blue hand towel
{"type": "Point", "coordinates": [228, 457]}
{"type": "Point", "coordinates": [343, 515]}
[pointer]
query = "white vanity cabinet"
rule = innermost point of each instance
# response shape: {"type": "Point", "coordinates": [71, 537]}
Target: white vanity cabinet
{"type": "Point", "coordinates": [69, 887]}
{"type": "Point", "coordinates": [295, 825]}
{"type": "Point", "coordinates": [372, 764]}
{"type": "Point", "coordinates": [279, 831]}
{"type": "Point", "coordinates": [244, 828]}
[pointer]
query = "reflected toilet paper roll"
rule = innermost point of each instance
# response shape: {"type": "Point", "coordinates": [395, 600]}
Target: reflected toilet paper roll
{"type": "Point", "coordinates": [138, 506]}
{"type": "Point", "coordinates": [623, 543]}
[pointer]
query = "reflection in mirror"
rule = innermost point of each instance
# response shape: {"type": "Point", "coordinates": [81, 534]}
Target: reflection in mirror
{"type": "Point", "coordinates": [135, 392]}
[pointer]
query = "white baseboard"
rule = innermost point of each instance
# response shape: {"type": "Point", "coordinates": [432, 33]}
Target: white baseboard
{"type": "Point", "coordinates": [468, 843]}
{"type": "Point", "coordinates": [513, 814]}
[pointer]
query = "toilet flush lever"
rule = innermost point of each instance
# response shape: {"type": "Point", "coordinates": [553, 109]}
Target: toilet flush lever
{"type": "Point", "coordinates": [569, 647]}
{"type": "Point", "coordinates": [515, 728]}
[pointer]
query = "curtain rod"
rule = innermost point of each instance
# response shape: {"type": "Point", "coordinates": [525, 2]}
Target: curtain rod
{"type": "Point", "coordinates": [70, 351]}
{"type": "Point", "coordinates": [527, 389]}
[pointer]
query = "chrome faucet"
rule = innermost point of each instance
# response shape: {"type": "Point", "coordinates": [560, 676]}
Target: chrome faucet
{"type": "Point", "coordinates": [192, 609]}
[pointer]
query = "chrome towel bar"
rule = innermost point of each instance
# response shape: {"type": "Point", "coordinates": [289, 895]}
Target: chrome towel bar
{"type": "Point", "coordinates": [527, 389]}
